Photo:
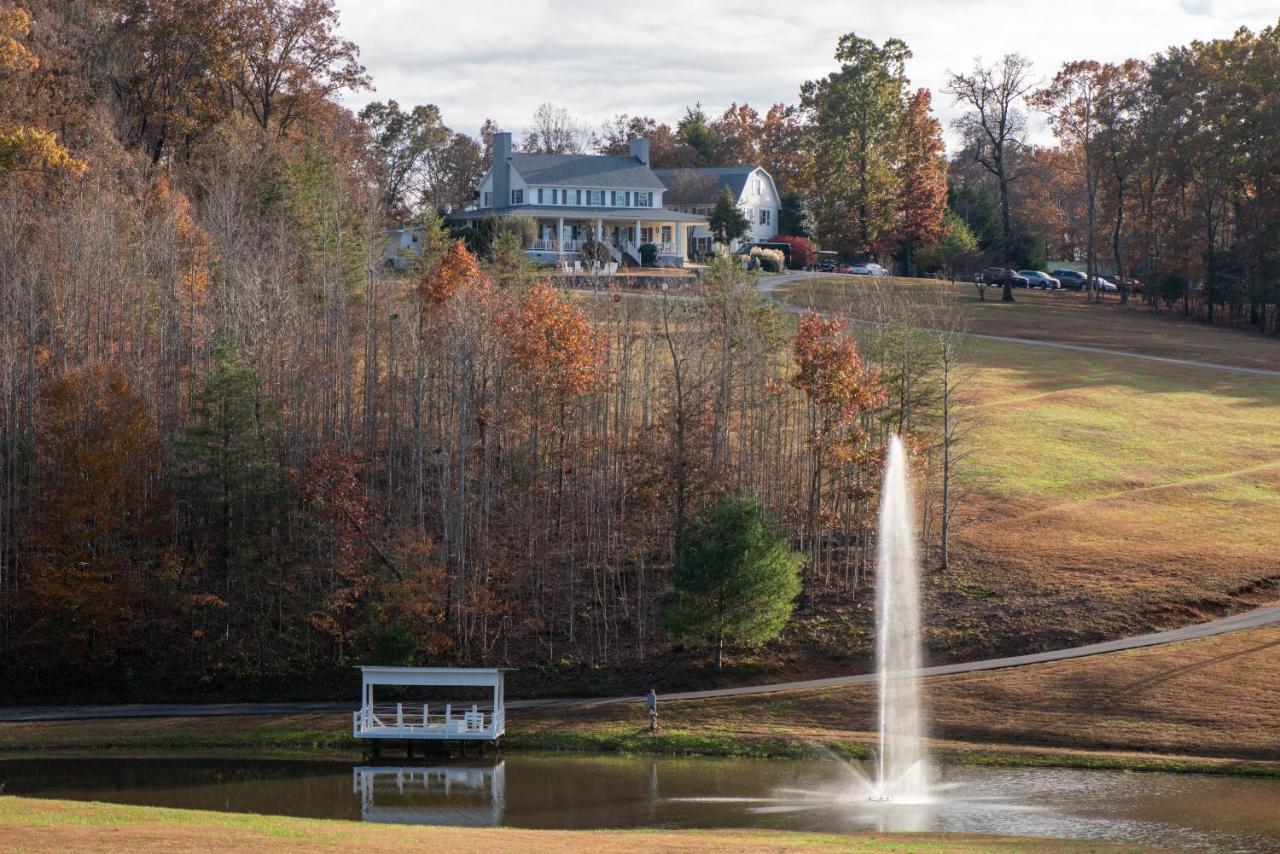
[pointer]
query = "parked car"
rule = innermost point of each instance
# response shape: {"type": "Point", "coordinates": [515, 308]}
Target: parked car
{"type": "Point", "coordinates": [1104, 286]}
{"type": "Point", "coordinates": [871, 269]}
{"type": "Point", "coordinates": [1135, 286]}
{"type": "Point", "coordinates": [828, 261]}
{"type": "Point", "coordinates": [1001, 276]}
{"type": "Point", "coordinates": [1072, 279]}
{"type": "Point", "coordinates": [1037, 279]}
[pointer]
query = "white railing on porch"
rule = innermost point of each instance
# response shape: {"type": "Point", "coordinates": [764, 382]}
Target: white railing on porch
{"type": "Point", "coordinates": [556, 246]}
{"type": "Point", "coordinates": [427, 717]}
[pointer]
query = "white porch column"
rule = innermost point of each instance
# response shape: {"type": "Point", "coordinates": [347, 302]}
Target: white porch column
{"type": "Point", "coordinates": [637, 232]}
{"type": "Point", "coordinates": [599, 228]}
{"type": "Point", "coordinates": [680, 230]}
{"type": "Point", "coordinates": [560, 235]}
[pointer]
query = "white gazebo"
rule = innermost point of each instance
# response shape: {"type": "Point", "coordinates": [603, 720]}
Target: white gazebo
{"type": "Point", "coordinates": [439, 720]}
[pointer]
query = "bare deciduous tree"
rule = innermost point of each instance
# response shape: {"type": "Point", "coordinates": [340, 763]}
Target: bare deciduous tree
{"type": "Point", "coordinates": [993, 124]}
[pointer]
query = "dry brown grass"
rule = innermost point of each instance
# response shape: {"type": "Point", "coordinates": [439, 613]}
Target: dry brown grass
{"type": "Point", "coordinates": [1059, 316]}
{"type": "Point", "coordinates": [1213, 697]}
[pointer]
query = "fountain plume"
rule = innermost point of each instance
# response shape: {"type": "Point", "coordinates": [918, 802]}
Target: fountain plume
{"type": "Point", "coordinates": [901, 762]}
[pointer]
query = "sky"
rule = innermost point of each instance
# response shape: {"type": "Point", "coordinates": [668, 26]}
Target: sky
{"type": "Point", "coordinates": [500, 59]}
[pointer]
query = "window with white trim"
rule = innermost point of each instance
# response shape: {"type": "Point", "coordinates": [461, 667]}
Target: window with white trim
{"type": "Point", "coordinates": [517, 197]}
{"type": "Point", "coordinates": [488, 199]}
{"type": "Point", "coordinates": [595, 198]}
{"type": "Point", "coordinates": [644, 200]}
{"type": "Point", "coordinates": [764, 216]}
{"type": "Point", "coordinates": [539, 195]}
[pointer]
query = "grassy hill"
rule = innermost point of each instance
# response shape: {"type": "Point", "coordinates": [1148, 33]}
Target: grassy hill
{"type": "Point", "coordinates": [1107, 495]}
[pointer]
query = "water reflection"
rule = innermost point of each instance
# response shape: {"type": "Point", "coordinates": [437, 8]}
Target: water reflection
{"type": "Point", "coordinates": [584, 792]}
{"type": "Point", "coordinates": [462, 795]}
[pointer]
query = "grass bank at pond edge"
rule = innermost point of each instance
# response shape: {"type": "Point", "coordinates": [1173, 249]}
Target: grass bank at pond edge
{"type": "Point", "coordinates": [42, 825]}
{"type": "Point", "coordinates": [314, 734]}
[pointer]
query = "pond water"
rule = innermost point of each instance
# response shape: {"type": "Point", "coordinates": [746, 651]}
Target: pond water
{"type": "Point", "coordinates": [570, 791]}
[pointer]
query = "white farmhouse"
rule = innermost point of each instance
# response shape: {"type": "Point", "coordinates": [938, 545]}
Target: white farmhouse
{"type": "Point", "coordinates": [574, 198]}
{"type": "Point", "coordinates": [695, 191]}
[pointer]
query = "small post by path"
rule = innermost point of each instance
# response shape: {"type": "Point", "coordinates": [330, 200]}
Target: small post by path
{"type": "Point", "coordinates": [651, 703]}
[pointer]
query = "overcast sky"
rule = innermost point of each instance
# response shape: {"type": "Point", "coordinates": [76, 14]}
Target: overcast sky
{"type": "Point", "coordinates": [500, 59]}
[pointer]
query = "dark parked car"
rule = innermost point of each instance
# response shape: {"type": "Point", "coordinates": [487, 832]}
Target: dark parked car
{"type": "Point", "coordinates": [1071, 278]}
{"type": "Point", "coordinates": [1001, 276]}
{"type": "Point", "coordinates": [828, 261]}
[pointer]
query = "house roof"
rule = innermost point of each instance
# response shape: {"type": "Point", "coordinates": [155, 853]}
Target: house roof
{"type": "Point", "coordinates": [597, 171]}
{"type": "Point", "coordinates": [581, 212]}
{"type": "Point", "coordinates": [703, 185]}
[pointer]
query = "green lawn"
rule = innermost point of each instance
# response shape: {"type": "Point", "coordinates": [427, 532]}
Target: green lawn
{"type": "Point", "coordinates": [1110, 495]}
{"type": "Point", "coordinates": [47, 825]}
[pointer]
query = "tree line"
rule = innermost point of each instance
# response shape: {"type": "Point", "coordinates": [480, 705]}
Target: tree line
{"type": "Point", "coordinates": [236, 450]}
{"type": "Point", "coordinates": [1163, 175]}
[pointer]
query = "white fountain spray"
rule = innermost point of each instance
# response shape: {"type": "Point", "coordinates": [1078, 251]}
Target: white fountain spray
{"type": "Point", "coordinates": [901, 771]}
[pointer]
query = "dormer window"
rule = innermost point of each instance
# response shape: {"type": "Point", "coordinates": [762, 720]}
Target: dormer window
{"type": "Point", "coordinates": [517, 197]}
{"type": "Point", "coordinates": [596, 198]}
{"type": "Point", "coordinates": [644, 200]}
{"type": "Point", "coordinates": [488, 199]}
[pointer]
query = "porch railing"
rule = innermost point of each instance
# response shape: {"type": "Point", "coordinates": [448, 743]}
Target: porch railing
{"type": "Point", "coordinates": [556, 246]}
{"type": "Point", "coordinates": [424, 717]}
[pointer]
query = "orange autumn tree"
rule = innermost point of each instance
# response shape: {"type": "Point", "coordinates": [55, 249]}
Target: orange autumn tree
{"type": "Point", "coordinates": [92, 546]}
{"type": "Point", "coordinates": [561, 355]}
{"type": "Point", "coordinates": [456, 270]}
{"type": "Point", "coordinates": [337, 515]}
{"type": "Point", "coordinates": [554, 344]}
{"type": "Point", "coordinates": [840, 391]}
{"type": "Point", "coordinates": [24, 148]}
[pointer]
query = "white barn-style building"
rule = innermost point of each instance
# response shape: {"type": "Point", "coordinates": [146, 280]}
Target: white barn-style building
{"type": "Point", "coordinates": [464, 720]}
{"type": "Point", "coordinates": [696, 191]}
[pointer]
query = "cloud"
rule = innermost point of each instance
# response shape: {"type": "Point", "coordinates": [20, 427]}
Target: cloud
{"type": "Point", "coordinates": [492, 59]}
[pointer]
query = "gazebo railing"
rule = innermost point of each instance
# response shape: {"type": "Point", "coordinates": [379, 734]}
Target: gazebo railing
{"type": "Point", "coordinates": [426, 717]}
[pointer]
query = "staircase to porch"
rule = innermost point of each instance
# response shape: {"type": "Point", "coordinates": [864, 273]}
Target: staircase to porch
{"type": "Point", "coordinates": [633, 254]}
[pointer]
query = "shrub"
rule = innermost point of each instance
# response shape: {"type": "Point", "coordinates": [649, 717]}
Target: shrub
{"type": "Point", "coordinates": [769, 260]}
{"type": "Point", "coordinates": [648, 254]}
{"type": "Point", "coordinates": [1172, 288]}
{"type": "Point", "coordinates": [804, 252]}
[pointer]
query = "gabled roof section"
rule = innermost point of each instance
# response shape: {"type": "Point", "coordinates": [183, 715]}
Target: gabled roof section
{"type": "Point", "coordinates": [703, 185]}
{"type": "Point", "coordinates": [595, 171]}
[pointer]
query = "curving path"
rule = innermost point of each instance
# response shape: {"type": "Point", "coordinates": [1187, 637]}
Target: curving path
{"type": "Point", "coordinates": [1238, 622]}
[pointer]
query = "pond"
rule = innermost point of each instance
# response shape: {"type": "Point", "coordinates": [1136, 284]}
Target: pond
{"type": "Point", "coordinates": [574, 791]}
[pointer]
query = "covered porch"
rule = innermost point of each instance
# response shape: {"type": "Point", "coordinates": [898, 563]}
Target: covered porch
{"type": "Point", "coordinates": [561, 238]}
